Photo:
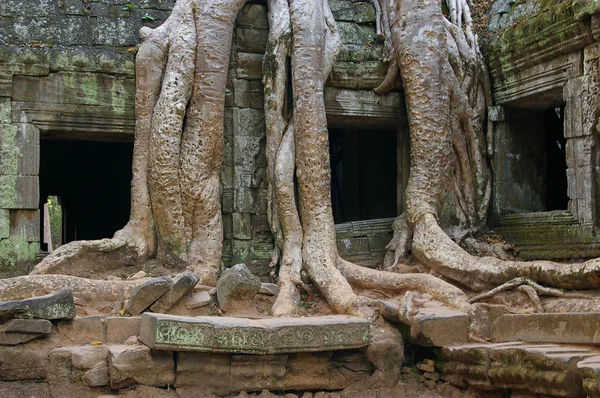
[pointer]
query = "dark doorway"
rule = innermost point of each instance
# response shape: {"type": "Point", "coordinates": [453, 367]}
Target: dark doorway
{"type": "Point", "coordinates": [92, 180]}
{"type": "Point", "coordinates": [556, 160]}
{"type": "Point", "coordinates": [363, 174]}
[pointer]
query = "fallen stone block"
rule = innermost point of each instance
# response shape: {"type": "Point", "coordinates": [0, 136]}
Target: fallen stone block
{"type": "Point", "coordinates": [130, 365]}
{"type": "Point", "coordinates": [146, 294]}
{"type": "Point", "coordinates": [253, 336]}
{"type": "Point", "coordinates": [197, 300]}
{"type": "Point", "coordinates": [182, 284]}
{"type": "Point", "coordinates": [236, 288]}
{"type": "Point", "coordinates": [572, 328]}
{"type": "Point", "coordinates": [119, 329]}
{"type": "Point", "coordinates": [35, 326]}
{"type": "Point", "coordinates": [270, 289]}
{"type": "Point", "coordinates": [17, 338]}
{"type": "Point", "coordinates": [53, 306]}
{"type": "Point", "coordinates": [97, 377]}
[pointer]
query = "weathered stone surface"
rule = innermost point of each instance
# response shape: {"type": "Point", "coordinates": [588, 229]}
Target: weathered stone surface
{"type": "Point", "coordinates": [249, 66]}
{"type": "Point", "coordinates": [145, 294]}
{"type": "Point", "coordinates": [270, 289]}
{"type": "Point", "coordinates": [205, 371]}
{"type": "Point", "coordinates": [198, 299]}
{"type": "Point", "coordinates": [97, 377]}
{"type": "Point", "coordinates": [236, 288]}
{"type": "Point", "coordinates": [58, 305]}
{"type": "Point", "coordinates": [129, 365]}
{"type": "Point", "coordinates": [41, 326]}
{"type": "Point", "coordinates": [253, 336]}
{"type": "Point", "coordinates": [17, 338]}
{"type": "Point", "coordinates": [182, 285]}
{"type": "Point", "coordinates": [257, 372]}
{"type": "Point", "coordinates": [589, 369]}
{"type": "Point", "coordinates": [573, 328]}
{"type": "Point", "coordinates": [441, 327]}
{"type": "Point", "coordinates": [84, 330]}
{"type": "Point", "coordinates": [540, 369]}
{"type": "Point", "coordinates": [119, 329]}
{"type": "Point", "coordinates": [26, 362]}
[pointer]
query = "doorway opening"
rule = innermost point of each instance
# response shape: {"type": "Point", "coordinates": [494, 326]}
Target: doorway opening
{"type": "Point", "coordinates": [363, 174]}
{"type": "Point", "coordinates": [556, 159]}
{"type": "Point", "coordinates": [91, 183]}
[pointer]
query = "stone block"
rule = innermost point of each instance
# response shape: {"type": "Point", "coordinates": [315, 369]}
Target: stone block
{"type": "Point", "coordinates": [250, 40]}
{"type": "Point", "coordinates": [4, 223]}
{"type": "Point", "coordinates": [9, 152]}
{"type": "Point", "coordinates": [19, 192]}
{"type": "Point", "coordinates": [257, 372]}
{"type": "Point", "coordinates": [27, 141]}
{"type": "Point", "coordinates": [208, 372]}
{"type": "Point", "coordinates": [573, 328]}
{"type": "Point", "coordinates": [145, 294]}
{"type": "Point", "coordinates": [35, 326]}
{"type": "Point", "coordinates": [116, 32]}
{"type": "Point", "coordinates": [245, 200]}
{"type": "Point", "coordinates": [253, 16]}
{"type": "Point", "coordinates": [496, 113]}
{"type": "Point", "coordinates": [83, 330]}
{"type": "Point", "coordinates": [248, 94]}
{"type": "Point", "coordinates": [5, 110]}
{"type": "Point", "coordinates": [228, 195]}
{"type": "Point", "coordinates": [119, 329]}
{"type": "Point", "coordinates": [351, 33]}
{"type": "Point", "coordinates": [242, 227]}
{"type": "Point", "coordinates": [23, 363]}
{"type": "Point", "coordinates": [441, 327]}
{"type": "Point", "coordinates": [59, 305]}
{"type": "Point", "coordinates": [245, 150]}
{"type": "Point", "coordinates": [11, 339]}
{"type": "Point", "coordinates": [75, 31]}
{"type": "Point", "coordinates": [130, 365]}
{"type": "Point", "coordinates": [353, 245]}
{"type": "Point", "coordinates": [182, 285]}
{"type": "Point", "coordinates": [236, 288]}
{"type": "Point", "coordinates": [25, 224]}
{"type": "Point", "coordinates": [247, 121]}
{"type": "Point", "coordinates": [249, 66]}
{"type": "Point", "coordinates": [264, 336]}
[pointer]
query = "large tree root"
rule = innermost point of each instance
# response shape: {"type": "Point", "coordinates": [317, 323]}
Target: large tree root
{"type": "Point", "coordinates": [180, 95]}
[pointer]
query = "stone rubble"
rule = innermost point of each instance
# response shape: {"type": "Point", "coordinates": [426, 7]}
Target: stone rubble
{"type": "Point", "coordinates": [236, 288]}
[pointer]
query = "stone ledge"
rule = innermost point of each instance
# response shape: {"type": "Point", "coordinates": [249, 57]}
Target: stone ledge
{"type": "Point", "coordinates": [250, 336]}
{"type": "Point", "coordinates": [572, 328]}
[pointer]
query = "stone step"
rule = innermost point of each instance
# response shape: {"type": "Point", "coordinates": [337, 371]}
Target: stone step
{"type": "Point", "coordinates": [253, 336]}
{"type": "Point", "coordinates": [548, 369]}
{"type": "Point", "coordinates": [569, 328]}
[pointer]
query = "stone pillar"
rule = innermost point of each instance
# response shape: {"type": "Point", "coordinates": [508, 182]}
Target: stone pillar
{"type": "Point", "coordinates": [247, 234]}
{"type": "Point", "coordinates": [582, 110]}
{"type": "Point", "coordinates": [19, 189]}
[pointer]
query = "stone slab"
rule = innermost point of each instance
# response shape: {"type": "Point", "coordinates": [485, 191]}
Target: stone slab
{"type": "Point", "coordinates": [59, 305]}
{"type": "Point", "coordinates": [146, 294]}
{"type": "Point", "coordinates": [34, 326]}
{"type": "Point", "coordinates": [441, 327]}
{"type": "Point", "coordinates": [253, 336]}
{"type": "Point", "coordinates": [84, 330]}
{"type": "Point", "coordinates": [573, 328]}
{"type": "Point", "coordinates": [17, 338]}
{"type": "Point", "coordinates": [182, 284]}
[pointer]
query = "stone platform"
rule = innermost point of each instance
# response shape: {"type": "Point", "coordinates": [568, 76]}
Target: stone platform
{"type": "Point", "coordinates": [547, 369]}
{"type": "Point", "coordinates": [253, 336]}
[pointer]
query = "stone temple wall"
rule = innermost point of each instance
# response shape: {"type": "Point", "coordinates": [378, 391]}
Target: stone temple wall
{"type": "Point", "coordinates": [67, 72]}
